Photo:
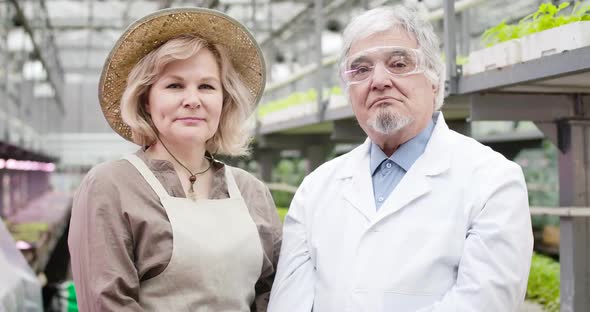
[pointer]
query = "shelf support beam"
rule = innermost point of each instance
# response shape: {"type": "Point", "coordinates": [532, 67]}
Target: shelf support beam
{"type": "Point", "coordinates": [565, 119]}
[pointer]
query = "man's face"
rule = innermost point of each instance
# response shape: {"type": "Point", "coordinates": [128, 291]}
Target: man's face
{"type": "Point", "coordinates": [387, 105]}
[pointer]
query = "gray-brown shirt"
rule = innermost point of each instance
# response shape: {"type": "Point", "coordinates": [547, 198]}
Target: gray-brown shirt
{"type": "Point", "coordinates": [120, 234]}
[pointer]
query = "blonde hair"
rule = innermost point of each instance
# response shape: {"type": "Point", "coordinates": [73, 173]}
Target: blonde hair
{"type": "Point", "coordinates": [232, 136]}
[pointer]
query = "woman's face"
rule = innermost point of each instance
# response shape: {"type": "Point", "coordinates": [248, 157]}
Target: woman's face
{"type": "Point", "coordinates": [185, 101]}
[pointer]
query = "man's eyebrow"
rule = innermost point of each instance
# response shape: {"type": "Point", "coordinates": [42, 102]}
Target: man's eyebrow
{"type": "Point", "coordinates": [399, 52]}
{"type": "Point", "coordinates": [359, 59]}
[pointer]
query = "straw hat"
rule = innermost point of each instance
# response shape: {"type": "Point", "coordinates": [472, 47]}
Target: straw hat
{"type": "Point", "coordinates": [148, 33]}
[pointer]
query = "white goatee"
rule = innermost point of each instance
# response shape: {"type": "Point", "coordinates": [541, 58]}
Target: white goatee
{"type": "Point", "coordinates": [385, 121]}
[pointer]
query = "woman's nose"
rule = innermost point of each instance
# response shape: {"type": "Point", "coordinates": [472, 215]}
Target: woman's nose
{"type": "Point", "coordinates": [191, 99]}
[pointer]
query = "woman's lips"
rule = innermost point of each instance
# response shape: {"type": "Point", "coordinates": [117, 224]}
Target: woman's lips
{"type": "Point", "coordinates": [190, 119]}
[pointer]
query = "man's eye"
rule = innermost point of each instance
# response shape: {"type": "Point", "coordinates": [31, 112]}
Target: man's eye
{"type": "Point", "coordinates": [399, 65]}
{"type": "Point", "coordinates": [362, 69]}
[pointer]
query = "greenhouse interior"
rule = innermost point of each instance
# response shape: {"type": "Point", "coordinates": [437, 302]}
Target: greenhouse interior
{"type": "Point", "coordinates": [516, 79]}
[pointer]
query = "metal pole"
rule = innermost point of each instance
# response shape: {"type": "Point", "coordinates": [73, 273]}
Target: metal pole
{"type": "Point", "coordinates": [253, 17]}
{"type": "Point", "coordinates": [465, 37]}
{"type": "Point", "coordinates": [271, 48]}
{"type": "Point", "coordinates": [574, 190]}
{"type": "Point", "coordinates": [319, 27]}
{"type": "Point", "coordinates": [265, 160]}
{"type": "Point", "coordinates": [45, 47]}
{"type": "Point", "coordinates": [2, 212]}
{"type": "Point", "coordinates": [4, 24]}
{"type": "Point", "coordinates": [450, 47]}
{"type": "Point", "coordinates": [315, 156]}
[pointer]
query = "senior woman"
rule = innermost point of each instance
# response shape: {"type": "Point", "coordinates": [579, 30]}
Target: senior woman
{"type": "Point", "coordinates": [170, 228]}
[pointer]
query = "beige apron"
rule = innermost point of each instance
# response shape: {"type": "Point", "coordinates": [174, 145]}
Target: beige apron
{"type": "Point", "coordinates": [216, 253]}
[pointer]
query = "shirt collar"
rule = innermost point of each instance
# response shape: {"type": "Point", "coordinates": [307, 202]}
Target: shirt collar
{"type": "Point", "coordinates": [407, 153]}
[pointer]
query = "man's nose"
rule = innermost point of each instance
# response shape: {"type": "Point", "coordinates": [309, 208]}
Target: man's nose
{"type": "Point", "coordinates": [382, 79]}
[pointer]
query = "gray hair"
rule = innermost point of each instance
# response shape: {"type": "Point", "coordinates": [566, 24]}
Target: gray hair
{"type": "Point", "coordinates": [385, 18]}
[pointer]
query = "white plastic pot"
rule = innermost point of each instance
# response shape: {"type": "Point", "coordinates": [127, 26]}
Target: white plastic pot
{"type": "Point", "coordinates": [556, 40]}
{"type": "Point", "coordinates": [289, 113]}
{"type": "Point", "coordinates": [337, 101]}
{"type": "Point", "coordinates": [310, 108]}
{"type": "Point", "coordinates": [497, 56]}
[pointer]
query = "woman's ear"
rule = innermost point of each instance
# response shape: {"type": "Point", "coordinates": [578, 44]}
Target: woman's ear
{"type": "Point", "coordinates": [145, 102]}
{"type": "Point", "coordinates": [145, 112]}
{"type": "Point", "coordinates": [146, 108]}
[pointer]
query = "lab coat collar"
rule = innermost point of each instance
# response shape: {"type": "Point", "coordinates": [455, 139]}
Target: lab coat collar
{"type": "Point", "coordinates": [435, 160]}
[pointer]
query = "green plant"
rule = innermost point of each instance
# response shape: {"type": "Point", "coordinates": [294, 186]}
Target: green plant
{"type": "Point", "coordinates": [281, 198]}
{"type": "Point", "coordinates": [543, 285]}
{"type": "Point", "coordinates": [282, 213]}
{"type": "Point", "coordinates": [462, 60]}
{"type": "Point", "coordinates": [580, 13]}
{"type": "Point", "coordinates": [500, 33]}
{"type": "Point", "coordinates": [295, 99]}
{"type": "Point", "coordinates": [336, 91]}
{"type": "Point", "coordinates": [459, 60]}
{"type": "Point", "coordinates": [28, 232]}
{"type": "Point", "coordinates": [546, 17]}
{"type": "Point", "coordinates": [540, 171]}
{"type": "Point", "coordinates": [289, 171]}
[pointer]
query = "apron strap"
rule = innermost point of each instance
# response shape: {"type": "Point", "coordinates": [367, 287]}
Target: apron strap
{"type": "Point", "coordinates": [148, 175]}
{"type": "Point", "coordinates": [232, 187]}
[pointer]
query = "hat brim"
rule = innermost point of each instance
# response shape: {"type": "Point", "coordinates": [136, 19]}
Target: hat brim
{"type": "Point", "coordinates": [149, 32]}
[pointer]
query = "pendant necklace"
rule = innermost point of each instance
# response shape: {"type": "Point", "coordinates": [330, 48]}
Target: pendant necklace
{"type": "Point", "coordinates": [193, 176]}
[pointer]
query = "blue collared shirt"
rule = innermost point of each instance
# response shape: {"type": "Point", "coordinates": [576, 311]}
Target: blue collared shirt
{"type": "Point", "coordinates": [387, 172]}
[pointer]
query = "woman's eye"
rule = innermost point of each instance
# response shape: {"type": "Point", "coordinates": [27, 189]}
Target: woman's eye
{"type": "Point", "coordinates": [207, 86]}
{"type": "Point", "coordinates": [174, 86]}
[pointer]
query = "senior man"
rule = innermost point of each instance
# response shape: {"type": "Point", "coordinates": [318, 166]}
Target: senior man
{"type": "Point", "coordinates": [418, 217]}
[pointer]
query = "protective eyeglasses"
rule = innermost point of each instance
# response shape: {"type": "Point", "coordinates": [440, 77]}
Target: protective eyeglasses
{"type": "Point", "coordinates": [398, 61]}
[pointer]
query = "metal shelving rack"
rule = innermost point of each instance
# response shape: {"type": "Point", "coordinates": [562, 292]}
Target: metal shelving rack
{"type": "Point", "coordinates": [44, 45]}
{"type": "Point", "coordinates": [456, 109]}
{"type": "Point", "coordinates": [567, 72]}
{"type": "Point", "coordinates": [554, 93]}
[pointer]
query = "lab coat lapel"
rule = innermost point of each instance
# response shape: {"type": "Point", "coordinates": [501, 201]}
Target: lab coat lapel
{"type": "Point", "coordinates": [417, 182]}
{"type": "Point", "coordinates": [358, 185]}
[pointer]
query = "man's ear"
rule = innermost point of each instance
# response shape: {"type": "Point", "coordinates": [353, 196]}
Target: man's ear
{"type": "Point", "coordinates": [435, 90]}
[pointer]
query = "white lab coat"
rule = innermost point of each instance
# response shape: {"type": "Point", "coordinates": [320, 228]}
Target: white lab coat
{"type": "Point", "coordinates": [454, 235]}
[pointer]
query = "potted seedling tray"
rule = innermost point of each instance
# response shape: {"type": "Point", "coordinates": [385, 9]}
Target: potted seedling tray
{"type": "Point", "coordinates": [547, 31]}
{"type": "Point", "coordinates": [556, 40]}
